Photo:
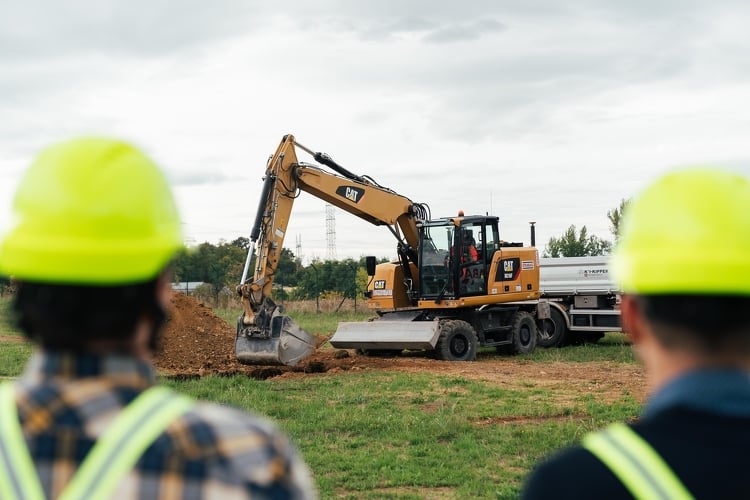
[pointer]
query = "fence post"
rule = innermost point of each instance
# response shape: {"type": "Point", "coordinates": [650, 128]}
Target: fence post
{"type": "Point", "coordinates": [317, 293]}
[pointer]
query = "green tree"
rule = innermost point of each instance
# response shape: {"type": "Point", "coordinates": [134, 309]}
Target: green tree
{"type": "Point", "coordinates": [231, 259]}
{"type": "Point", "coordinates": [182, 265]}
{"type": "Point", "coordinates": [288, 269]}
{"type": "Point", "coordinates": [615, 217]}
{"type": "Point", "coordinates": [220, 265]}
{"type": "Point", "coordinates": [241, 242]}
{"type": "Point", "coordinates": [361, 279]}
{"type": "Point", "coordinates": [328, 276]}
{"type": "Point", "coordinates": [576, 244]}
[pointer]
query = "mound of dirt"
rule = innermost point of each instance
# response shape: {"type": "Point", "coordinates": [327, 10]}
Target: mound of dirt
{"type": "Point", "coordinates": [196, 342]}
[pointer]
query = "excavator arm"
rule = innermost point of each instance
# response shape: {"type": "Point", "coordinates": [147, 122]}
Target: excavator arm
{"type": "Point", "coordinates": [264, 334]}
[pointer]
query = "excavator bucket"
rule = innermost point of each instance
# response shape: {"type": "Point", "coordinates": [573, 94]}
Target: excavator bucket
{"type": "Point", "coordinates": [282, 342]}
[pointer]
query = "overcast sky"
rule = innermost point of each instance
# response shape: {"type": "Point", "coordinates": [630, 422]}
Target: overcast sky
{"type": "Point", "coordinates": [530, 110]}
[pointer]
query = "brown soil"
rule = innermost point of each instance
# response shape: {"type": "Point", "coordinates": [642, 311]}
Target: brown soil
{"type": "Point", "coordinates": [196, 342]}
{"type": "Point", "coordinates": [12, 338]}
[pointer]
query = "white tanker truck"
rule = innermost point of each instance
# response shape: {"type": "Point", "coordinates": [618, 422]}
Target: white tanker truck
{"type": "Point", "coordinates": [584, 301]}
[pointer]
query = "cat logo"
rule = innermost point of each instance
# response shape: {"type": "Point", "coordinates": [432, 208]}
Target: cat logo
{"type": "Point", "coordinates": [351, 193]}
{"type": "Point", "coordinates": [508, 269]}
{"type": "Point", "coordinates": [379, 289]}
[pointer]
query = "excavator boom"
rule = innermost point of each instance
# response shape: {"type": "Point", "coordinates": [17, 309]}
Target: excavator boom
{"type": "Point", "coordinates": [264, 334]}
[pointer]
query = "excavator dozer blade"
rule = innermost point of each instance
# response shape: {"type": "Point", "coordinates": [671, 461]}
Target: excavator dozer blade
{"type": "Point", "coordinates": [386, 334]}
{"type": "Point", "coordinates": [285, 344]}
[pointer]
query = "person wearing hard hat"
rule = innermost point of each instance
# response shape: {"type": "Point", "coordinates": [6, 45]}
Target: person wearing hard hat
{"type": "Point", "coordinates": [683, 261]}
{"type": "Point", "coordinates": [95, 232]}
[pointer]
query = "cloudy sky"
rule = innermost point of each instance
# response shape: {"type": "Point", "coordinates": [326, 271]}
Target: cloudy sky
{"type": "Point", "coordinates": [527, 109]}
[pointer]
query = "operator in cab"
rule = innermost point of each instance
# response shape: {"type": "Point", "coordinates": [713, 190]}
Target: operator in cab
{"type": "Point", "coordinates": [468, 247]}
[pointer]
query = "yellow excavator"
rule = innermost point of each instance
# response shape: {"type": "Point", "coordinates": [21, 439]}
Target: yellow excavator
{"type": "Point", "coordinates": [455, 286]}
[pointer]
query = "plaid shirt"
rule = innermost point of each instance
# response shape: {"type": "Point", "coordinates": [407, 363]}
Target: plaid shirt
{"type": "Point", "coordinates": [65, 402]}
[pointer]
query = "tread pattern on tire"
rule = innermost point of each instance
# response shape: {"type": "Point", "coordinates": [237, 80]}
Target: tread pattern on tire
{"type": "Point", "coordinates": [448, 328]}
{"type": "Point", "coordinates": [521, 319]}
{"type": "Point", "coordinates": [561, 335]}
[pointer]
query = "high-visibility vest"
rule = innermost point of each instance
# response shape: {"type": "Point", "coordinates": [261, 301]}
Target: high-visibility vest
{"type": "Point", "coordinates": [114, 454]}
{"type": "Point", "coordinates": [636, 464]}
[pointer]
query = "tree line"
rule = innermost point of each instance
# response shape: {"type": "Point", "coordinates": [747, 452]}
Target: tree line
{"type": "Point", "coordinates": [220, 268]}
{"type": "Point", "coordinates": [574, 243]}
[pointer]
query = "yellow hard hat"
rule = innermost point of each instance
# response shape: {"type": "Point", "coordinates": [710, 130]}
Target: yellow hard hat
{"type": "Point", "coordinates": [688, 233]}
{"type": "Point", "coordinates": [91, 211]}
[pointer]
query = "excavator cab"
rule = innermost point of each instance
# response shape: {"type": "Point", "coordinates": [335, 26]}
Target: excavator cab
{"type": "Point", "coordinates": [455, 255]}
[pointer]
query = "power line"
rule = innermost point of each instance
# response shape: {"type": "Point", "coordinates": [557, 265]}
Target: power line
{"type": "Point", "coordinates": [330, 232]}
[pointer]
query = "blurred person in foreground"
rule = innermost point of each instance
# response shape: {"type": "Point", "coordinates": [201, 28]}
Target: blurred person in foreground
{"type": "Point", "coordinates": [683, 262]}
{"type": "Point", "coordinates": [96, 229]}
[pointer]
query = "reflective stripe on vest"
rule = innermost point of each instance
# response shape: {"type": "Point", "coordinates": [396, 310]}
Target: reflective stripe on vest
{"type": "Point", "coordinates": [636, 464]}
{"type": "Point", "coordinates": [109, 461]}
{"type": "Point", "coordinates": [18, 478]}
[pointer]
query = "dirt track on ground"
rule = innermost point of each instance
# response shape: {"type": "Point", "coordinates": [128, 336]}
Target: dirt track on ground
{"type": "Point", "coordinates": [11, 338]}
{"type": "Point", "coordinates": [196, 342]}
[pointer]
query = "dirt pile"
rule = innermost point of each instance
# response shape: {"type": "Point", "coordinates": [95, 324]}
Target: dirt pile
{"type": "Point", "coordinates": [196, 342]}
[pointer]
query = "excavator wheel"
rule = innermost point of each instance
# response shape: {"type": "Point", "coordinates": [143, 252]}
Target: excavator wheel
{"type": "Point", "coordinates": [457, 341]}
{"type": "Point", "coordinates": [525, 333]}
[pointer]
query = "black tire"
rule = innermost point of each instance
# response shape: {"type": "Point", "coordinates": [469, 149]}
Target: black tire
{"type": "Point", "coordinates": [554, 331]}
{"type": "Point", "coordinates": [525, 333]}
{"type": "Point", "coordinates": [457, 342]}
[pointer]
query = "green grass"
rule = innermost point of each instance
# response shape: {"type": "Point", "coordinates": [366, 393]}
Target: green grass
{"type": "Point", "coordinates": [5, 318]}
{"type": "Point", "coordinates": [376, 435]}
{"type": "Point", "coordinates": [613, 347]}
{"type": "Point", "coordinates": [13, 357]}
{"type": "Point", "coordinates": [411, 435]}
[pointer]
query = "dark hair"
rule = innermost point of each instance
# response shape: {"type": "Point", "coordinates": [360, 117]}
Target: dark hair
{"type": "Point", "coordinates": [69, 317]}
{"type": "Point", "coordinates": [708, 323]}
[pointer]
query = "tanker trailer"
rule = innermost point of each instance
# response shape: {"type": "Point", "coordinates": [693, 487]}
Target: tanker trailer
{"type": "Point", "coordinates": [584, 301]}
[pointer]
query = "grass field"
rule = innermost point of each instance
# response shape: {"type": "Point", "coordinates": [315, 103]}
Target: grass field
{"type": "Point", "coordinates": [413, 435]}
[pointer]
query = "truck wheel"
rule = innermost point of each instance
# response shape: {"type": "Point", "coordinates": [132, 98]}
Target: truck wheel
{"type": "Point", "coordinates": [457, 342]}
{"type": "Point", "coordinates": [524, 333]}
{"type": "Point", "coordinates": [554, 330]}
